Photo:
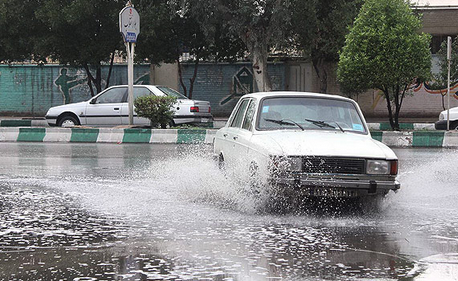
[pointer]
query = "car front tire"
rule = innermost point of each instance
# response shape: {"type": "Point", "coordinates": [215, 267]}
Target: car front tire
{"type": "Point", "coordinates": [68, 121]}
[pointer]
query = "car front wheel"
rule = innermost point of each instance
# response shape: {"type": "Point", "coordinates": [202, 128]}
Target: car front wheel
{"type": "Point", "coordinates": [67, 121]}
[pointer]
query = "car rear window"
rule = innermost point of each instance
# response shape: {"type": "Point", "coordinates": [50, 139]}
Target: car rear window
{"type": "Point", "coordinates": [172, 93]}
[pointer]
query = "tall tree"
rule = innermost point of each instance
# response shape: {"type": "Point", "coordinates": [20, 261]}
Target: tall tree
{"type": "Point", "coordinates": [320, 27]}
{"type": "Point", "coordinates": [385, 50]}
{"type": "Point", "coordinates": [171, 29]}
{"type": "Point", "coordinates": [81, 33]}
{"type": "Point", "coordinates": [170, 32]}
{"type": "Point", "coordinates": [19, 30]}
{"type": "Point", "coordinates": [260, 25]}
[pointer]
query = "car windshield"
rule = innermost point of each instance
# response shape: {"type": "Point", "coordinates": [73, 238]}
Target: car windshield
{"type": "Point", "coordinates": [172, 93]}
{"type": "Point", "coordinates": [309, 113]}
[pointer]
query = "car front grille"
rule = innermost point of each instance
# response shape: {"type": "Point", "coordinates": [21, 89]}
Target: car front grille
{"type": "Point", "coordinates": [333, 165]}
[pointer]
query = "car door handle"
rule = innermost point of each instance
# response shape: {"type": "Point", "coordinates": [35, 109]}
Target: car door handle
{"type": "Point", "coordinates": [225, 135]}
{"type": "Point", "coordinates": [116, 108]}
{"type": "Point", "coordinates": [235, 138]}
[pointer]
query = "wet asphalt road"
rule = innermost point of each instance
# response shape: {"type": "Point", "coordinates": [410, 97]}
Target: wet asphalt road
{"type": "Point", "coordinates": [165, 212]}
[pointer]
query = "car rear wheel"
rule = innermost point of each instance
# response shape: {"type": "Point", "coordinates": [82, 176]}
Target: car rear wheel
{"type": "Point", "coordinates": [67, 121]}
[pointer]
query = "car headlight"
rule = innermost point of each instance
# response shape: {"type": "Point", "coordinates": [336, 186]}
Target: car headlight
{"type": "Point", "coordinates": [294, 164]}
{"type": "Point", "coordinates": [382, 167]}
{"type": "Point", "coordinates": [286, 164]}
{"type": "Point", "coordinates": [441, 116]}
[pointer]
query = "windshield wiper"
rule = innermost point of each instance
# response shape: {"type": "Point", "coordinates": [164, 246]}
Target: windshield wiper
{"type": "Point", "coordinates": [323, 124]}
{"type": "Point", "coordinates": [339, 127]}
{"type": "Point", "coordinates": [288, 122]}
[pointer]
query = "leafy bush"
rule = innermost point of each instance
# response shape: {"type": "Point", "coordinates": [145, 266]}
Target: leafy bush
{"type": "Point", "coordinates": [159, 110]}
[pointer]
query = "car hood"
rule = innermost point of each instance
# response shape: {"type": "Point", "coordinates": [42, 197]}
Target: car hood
{"type": "Point", "coordinates": [69, 107]}
{"type": "Point", "coordinates": [322, 143]}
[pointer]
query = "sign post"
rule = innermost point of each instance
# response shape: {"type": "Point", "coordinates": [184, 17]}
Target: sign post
{"type": "Point", "coordinates": [449, 58]}
{"type": "Point", "coordinates": [129, 26]}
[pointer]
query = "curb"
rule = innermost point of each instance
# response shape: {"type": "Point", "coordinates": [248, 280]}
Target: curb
{"type": "Point", "coordinates": [417, 138]}
{"type": "Point", "coordinates": [402, 126]}
{"type": "Point", "coordinates": [23, 123]}
{"type": "Point", "coordinates": [106, 135]}
{"type": "Point", "coordinates": [186, 136]}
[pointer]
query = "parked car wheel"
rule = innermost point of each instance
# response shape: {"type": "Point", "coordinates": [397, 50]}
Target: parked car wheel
{"type": "Point", "coordinates": [67, 121]}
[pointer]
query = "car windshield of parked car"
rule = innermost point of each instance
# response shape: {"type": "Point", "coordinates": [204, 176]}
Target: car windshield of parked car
{"type": "Point", "coordinates": [172, 93]}
{"type": "Point", "coordinates": [309, 113]}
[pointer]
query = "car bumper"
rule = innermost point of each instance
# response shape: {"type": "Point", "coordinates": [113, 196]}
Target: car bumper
{"type": "Point", "coordinates": [442, 125]}
{"type": "Point", "coordinates": [333, 187]}
{"type": "Point", "coordinates": [52, 120]}
{"type": "Point", "coordinates": [184, 119]}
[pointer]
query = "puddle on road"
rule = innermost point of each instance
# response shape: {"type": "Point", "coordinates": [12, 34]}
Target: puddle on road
{"type": "Point", "coordinates": [180, 218]}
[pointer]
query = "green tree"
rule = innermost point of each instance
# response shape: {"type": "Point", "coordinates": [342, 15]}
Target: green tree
{"type": "Point", "coordinates": [261, 25]}
{"type": "Point", "coordinates": [385, 50]}
{"type": "Point", "coordinates": [320, 28]}
{"type": "Point", "coordinates": [19, 30]}
{"type": "Point", "coordinates": [81, 33]}
{"type": "Point", "coordinates": [169, 29]}
{"type": "Point", "coordinates": [440, 79]}
{"type": "Point", "coordinates": [170, 32]}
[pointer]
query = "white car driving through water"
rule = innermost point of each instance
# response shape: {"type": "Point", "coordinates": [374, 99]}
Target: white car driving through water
{"type": "Point", "coordinates": [306, 144]}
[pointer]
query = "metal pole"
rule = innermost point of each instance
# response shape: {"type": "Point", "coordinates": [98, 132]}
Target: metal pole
{"type": "Point", "coordinates": [130, 80]}
{"type": "Point", "coordinates": [449, 57]}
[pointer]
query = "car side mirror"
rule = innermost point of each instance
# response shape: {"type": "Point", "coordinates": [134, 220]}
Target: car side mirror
{"type": "Point", "coordinates": [93, 101]}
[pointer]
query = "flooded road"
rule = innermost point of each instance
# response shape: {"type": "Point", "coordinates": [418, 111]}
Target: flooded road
{"type": "Point", "coordinates": [166, 212]}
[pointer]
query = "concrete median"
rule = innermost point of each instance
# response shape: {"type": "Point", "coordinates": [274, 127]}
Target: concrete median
{"type": "Point", "coordinates": [106, 135]}
{"type": "Point", "coordinates": [178, 136]}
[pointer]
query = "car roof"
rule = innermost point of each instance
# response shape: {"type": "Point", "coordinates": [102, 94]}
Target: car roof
{"type": "Point", "coordinates": [295, 93]}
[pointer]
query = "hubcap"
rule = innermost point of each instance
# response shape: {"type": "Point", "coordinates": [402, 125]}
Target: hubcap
{"type": "Point", "coordinates": [68, 123]}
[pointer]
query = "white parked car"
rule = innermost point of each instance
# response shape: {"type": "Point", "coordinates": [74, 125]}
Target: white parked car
{"type": "Point", "coordinates": [110, 108]}
{"type": "Point", "coordinates": [442, 123]}
{"type": "Point", "coordinates": [308, 144]}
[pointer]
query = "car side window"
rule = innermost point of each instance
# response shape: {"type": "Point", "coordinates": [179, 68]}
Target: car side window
{"type": "Point", "coordinates": [114, 95]}
{"type": "Point", "coordinates": [247, 121]}
{"type": "Point", "coordinates": [237, 121]}
{"type": "Point", "coordinates": [141, 92]}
